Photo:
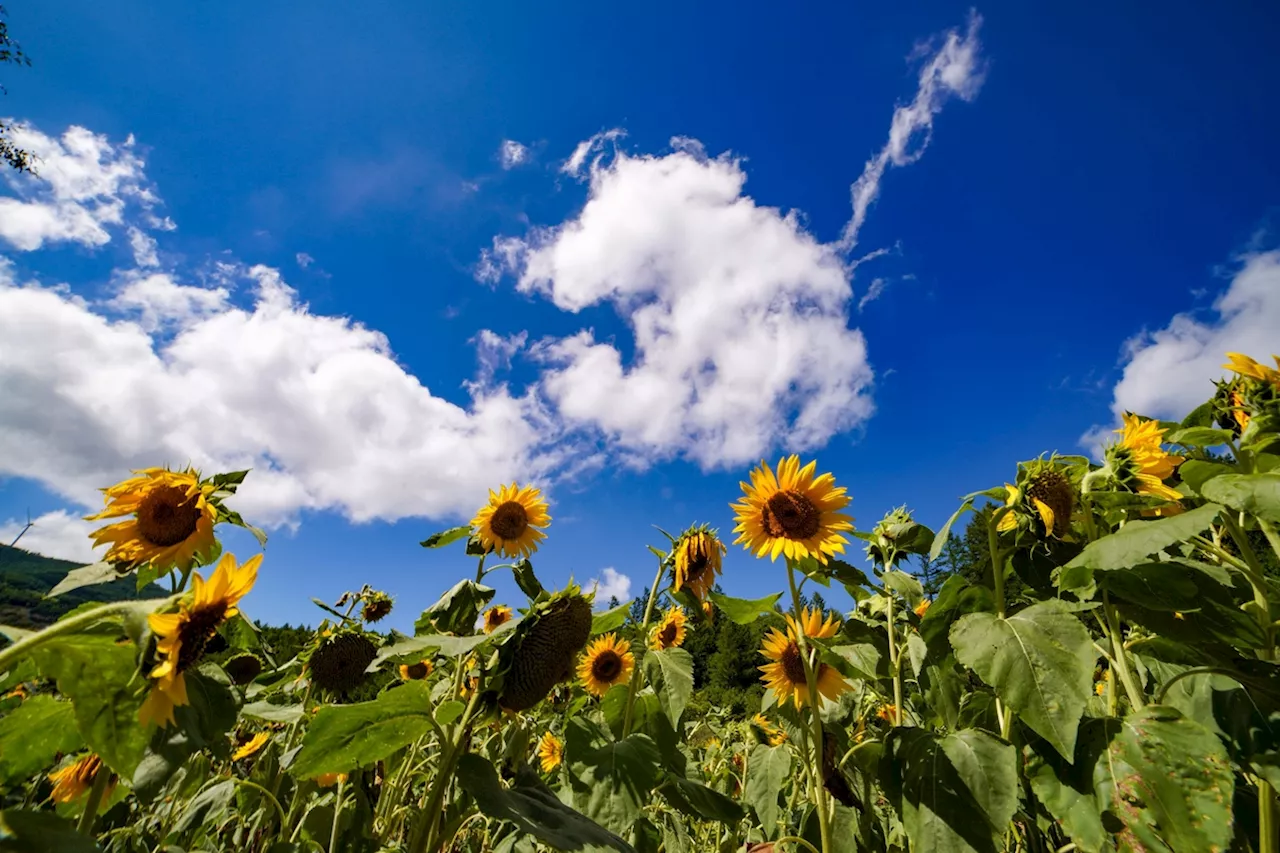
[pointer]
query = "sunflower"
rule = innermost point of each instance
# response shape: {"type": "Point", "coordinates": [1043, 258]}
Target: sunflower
{"type": "Point", "coordinates": [785, 676]}
{"type": "Point", "coordinates": [172, 520]}
{"type": "Point", "coordinates": [510, 523]}
{"type": "Point", "coordinates": [1246, 366]}
{"type": "Point", "coordinates": [1050, 494]}
{"type": "Point", "coordinates": [923, 608]}
{"type": "Point", "coordinates": [1140, 461]}
{"type": "Point", "coordinates": [698, 559]}
{"type": "Point", "coordinates": [183, 636]}
{"type": "Point", "coordinates": [416, 671]}
{"type": "Point", "coordinates": [254, 744]}
{"type": "Point", "coordinates": [794, 514]}
{"type": "Point", "coordinates": [550, 752]}
{"type": "Point", "coordinates": [377, 605]}
{"type": "Point", "coordinates": [888, 713]}
{"type": "Point", "coordinates": [770, 733]}
{"type": "Point", "coordinates": [328, 780]}
{"type": "Point", "coordinates": [669, 632]}
{"type": "Point", "coordinates": [709, 610]}
{"type": "Point", "coordinates": [608, 661]}
{"type": "Point", "coordinates": [495, 617]}
{"type": "Point", "coordinates": [74, 780]}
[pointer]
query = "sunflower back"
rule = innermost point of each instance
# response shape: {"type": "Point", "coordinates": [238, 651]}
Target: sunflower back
{"type": "Point", "coordinates": [542, 651]}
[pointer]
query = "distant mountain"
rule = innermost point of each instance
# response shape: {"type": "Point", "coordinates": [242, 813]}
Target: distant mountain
{"type": "Point", "coordinates": [26, 577]}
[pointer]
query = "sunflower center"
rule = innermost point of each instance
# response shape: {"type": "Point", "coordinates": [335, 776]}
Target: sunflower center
{"type": "Point", "coordinates": [167, 515]}
{"type": "Point", "coordinates": [792, 664]}
{"type": "Point", "coordinates": [790, 515]}
{"type": "Point", "coordinates": [417, 671]}
{"type": "Point", "coordinates": [509, 520]}
{"type": "Point", "coordinates": [200, 627]}
{"type": "Point", "coordinates": [667, 636]}
{"type": "Point", "coordinates": [607, 666]}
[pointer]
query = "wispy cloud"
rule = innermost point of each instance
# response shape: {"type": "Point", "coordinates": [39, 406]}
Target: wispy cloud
{"type": "Point", "coordinates": [610, 584]}
{"type": "Point", "coordinates": [512, 154]}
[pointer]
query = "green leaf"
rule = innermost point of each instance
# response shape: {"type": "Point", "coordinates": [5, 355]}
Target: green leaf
{"type": "Point", "coordinates": [1169, 780]}
{"type": "Point", "coordinates": [904, 585]}
{"type": "Point", "coordinates": [673, 670]}
{"type": "Point", "coordinates": [1200, 436]}
{"type": "Point", "coordinates": [956, 598]}
{"type": "Point", "coordinates": [242, 634]}
{"type": "Point", "coordinates": [533, 808]}
{"type": "Point", "coordinates": [768, 770]}
{"type": "Point", "coordinates": [446, 537]}
{"type": "Point", "coordinates": [744, 611]}
{"type": "Point", "coordinates": [447, 712]}
{"type": "Point", "coordinates": [956, 793]}
{"type": "Point", "coordinates": [41, 832]}
{"type": "Point", "coordinates": [526, 579]}
{"type": "Point", "coordinates": [1196, 472]}
{"type": "Point", "coordinates": [447, 645]}
{"type": "Point", "coordinates": [612, 783]}
{"type": "Point", "coordinates": [272, 713]}
{"type": "Point", "coordinates": [343, 737]}
{"type": "Point", "coordinates": [1137, 540]}
{"type": "Point", "coordinates": [90, 575]}
{"type": "Point", "coordinates": [231, 478]}
{"type": "Point", "coordinates": [1256, 494]}
{"type": "Point", "coordinates": [33, 735]}
{"type": "Point", "coordinates": [850, 576]}
{"type": "Point", "coordinates": [208, 808]}
{"type": "Point", "coordinates": [940, 540]}
{"type": "Point", "coordinates": [1201, 415]}
{"type": "Point", "coordinates": [212, 710]}
{"type": "Point", "coordinates": [95, 672]}
{"type": "Point", "coordinates": [1040, 662]}
{"type": "Point", "coordinates": [699, 801]}
{"type": "Point", "coordinates": [457, 610]}
{"type": "Point", "coordinates": [1066, 788]}
{"type": "Point", "coordinates": [610, 620]}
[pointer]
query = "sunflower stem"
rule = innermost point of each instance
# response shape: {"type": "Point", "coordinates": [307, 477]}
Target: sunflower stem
{"type": "Point", "coordinates": [66, 626]}
{"type": "Point", "coordinates": [480, 568]}
{"type": "Point", "coordinates": [894, 662]}
{"type": "Point", "coordinates": [1119, 655]}
{"type": "Point", "coordinates": [1003, 714]}
{"type": "Point", "coordinates": [425, 830]}
{"type": "Point", "coordinates": [815, 719]}
{"type": "Point", "coordinates": [100, 782]}
{"type": "Point", "coordinates": [1256, 580]}
{"type": "Point", "coordinates": [337, 816]}
{"type": "Point", "coordinates": [637, 675]}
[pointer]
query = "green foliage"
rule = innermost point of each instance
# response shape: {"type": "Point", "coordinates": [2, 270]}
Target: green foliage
{"type": "Point", "coordinates": [26, 578]}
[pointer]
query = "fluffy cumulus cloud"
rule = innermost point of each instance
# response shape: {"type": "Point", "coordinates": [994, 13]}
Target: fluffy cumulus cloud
{"type": "Point", "coordinates": [1167, 372]}
{"type": "Point", "coordinates": [739, 315]}
{"type": "Point", "coordinates": [610, 584]}
{"type": "Point", "coordinates": [85, 184]}
{"type": "Point", "coordinates": [61, 534]}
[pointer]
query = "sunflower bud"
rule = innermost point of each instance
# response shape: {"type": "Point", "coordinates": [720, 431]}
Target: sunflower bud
{"type": "Point", "coordinates": [542, 651]}
{"type": "Point", "coordinates": [338, 664]}
{"type": "Point", "coordinates": [243, 669]}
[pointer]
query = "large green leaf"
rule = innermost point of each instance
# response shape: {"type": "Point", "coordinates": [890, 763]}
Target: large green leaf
{"type": "Point", "coordinates": [270, 713]}
{"type": "Point", "coordinates": [1196, 472]}
{"type": "Point", "coordinates": [744, 611]}
{"type": "Point", "coordinates": [768, 769]}
{"type": "Point", "coordinates": [611, 783]}
{"type": "Point", "coordinates": [32, 736]}
{"type": "Point", "coordinates": [200, 725]}
{"type": "Point", "coordinates": [343, 737]}
{"type": "Point", "coordinates": [95, 672]}
{"type": "Point", "coordinates": [446, 537]}
{"type": "Point", "coordinates": [955, 794]}
{"type": "Point", "coordinates": [90, 575]}
{"type": "Point", "coordinates": [533, 808]}
{"type": "Point", "coordinates": [443, 643]}
{"type": "Point", "coordinates": [41, 832]}
{"type": "Point", "coordinates": [699, 801]}
{"type": "Point", "coordinates": [904, 585]}
{"type": "Point", "coordinates": [1256, 494]}
{"type": "Point", "coordinates": [610, 620]}
{"type": "Point", "coordinates": [1137, 540]}
{"type": "Point", "coordinates": [673, 670]}
{"type": "Point", "coordinates": [1040, 662]}
{"type": "Point", "coordinates": [1168, 779]}
{"type": "Point", "coordinates": [956, 598]}
{"type": "Point", "coordinates": [1065, 788]}
{"type": "Point", "coordinates": [457, 610]}
{"type": "Point", "coordinates": [1157, 597]}
{"type": "Point", "coordinates": [1200, 436]}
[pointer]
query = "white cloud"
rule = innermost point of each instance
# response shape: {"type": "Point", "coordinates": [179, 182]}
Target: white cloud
{"type": "Point", "coordinates": [84, 184]}
{"type": "Point", "coordinates": [1168, 372]}
{"type": "Point", "coordinates": [953, 69]}
{"type": "Point", "coordinates": [316, 405]}
{"type": "Point", "coordinates": [873, 293]}
{"type": "Point", "coordinates": [512, 154]}
{"type": "Point", "coordinates": [59, 534]}
{"type": "Point", "coordinates": [595, 145]}
{"type": "Point", "coordinates": [608, 584]}
{"type": "Point", "coordinates": [144, 247]}
{"type": "Point", "coordinates": [739, 315]}
{"type": "Point", "coordinates": [494, 352]}
{"type": "Point", "coordinates": [304, 260]}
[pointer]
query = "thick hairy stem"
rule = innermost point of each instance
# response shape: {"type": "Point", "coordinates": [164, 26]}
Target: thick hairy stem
{"type": "Point", "coordinates": [96, 794]}
{"type": "Point", "coordinates": [425, 830]}
{"type": "Point", "coordinates": [1003, 714]}
{"type": "Point", "coordinates": [638, 675]}
{"type": "Point", "coordinates": [1120, 656]}
{"type": "Point", "coordinates": [895, 662]}
{"type": "Point", "coordinates": [815, 719]}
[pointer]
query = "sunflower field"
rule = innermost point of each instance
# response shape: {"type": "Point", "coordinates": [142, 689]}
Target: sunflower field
{"type": "Point", "coordinates": [1109, 684]}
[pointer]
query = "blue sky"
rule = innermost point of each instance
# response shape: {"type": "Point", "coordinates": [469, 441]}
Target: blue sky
{"type": "Point", "coordinates": [314, 258]}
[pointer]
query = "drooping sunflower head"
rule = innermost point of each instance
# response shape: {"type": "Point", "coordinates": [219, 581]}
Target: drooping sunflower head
{"type": "Point", "coordinates": [1139, 463]}
{"type": "Point", "coordinates": [183, 638]}
{"type": "Point", "coordinates": [416, 671]}
{"type": "Point", "coordinates": [172, 520]}
{"type": "Point", "coordinates": [243, 668]}
{"type": "Point", "coordinates": [1045, 499]}
{"type": "Point", "coordinates": [377, 606]}
{"type": "Point", "coordinates": [75, 780]}
{"type": "Point", "coordinates": [511, 522]}
{"type": "Point", "coordinates": [766, 732]}
{"type": "Point", "coordinates": [784, 675]}
{"type": "Point", "coordinates": [792, 513]}
{"type": "Point", "coordinates": [541, 651]}
{"type": "Point", "coordinates": [608, 661]}
{"type": "Point", "coordinates": [496, 616]}
{"type": "Point", "coordinates": [698, 556]}
{"type": "Point", "coordinates": [550, 752]}
{"type": "Point", "coordinates": [339, 663]}
{"type": "Point", "coordinates": [670, 630]}
{"type": "Point", "coordinates": [251, 746]}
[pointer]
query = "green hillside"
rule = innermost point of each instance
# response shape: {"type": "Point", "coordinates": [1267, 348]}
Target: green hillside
{"type": "Point", "coordinates": [26, 577]}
